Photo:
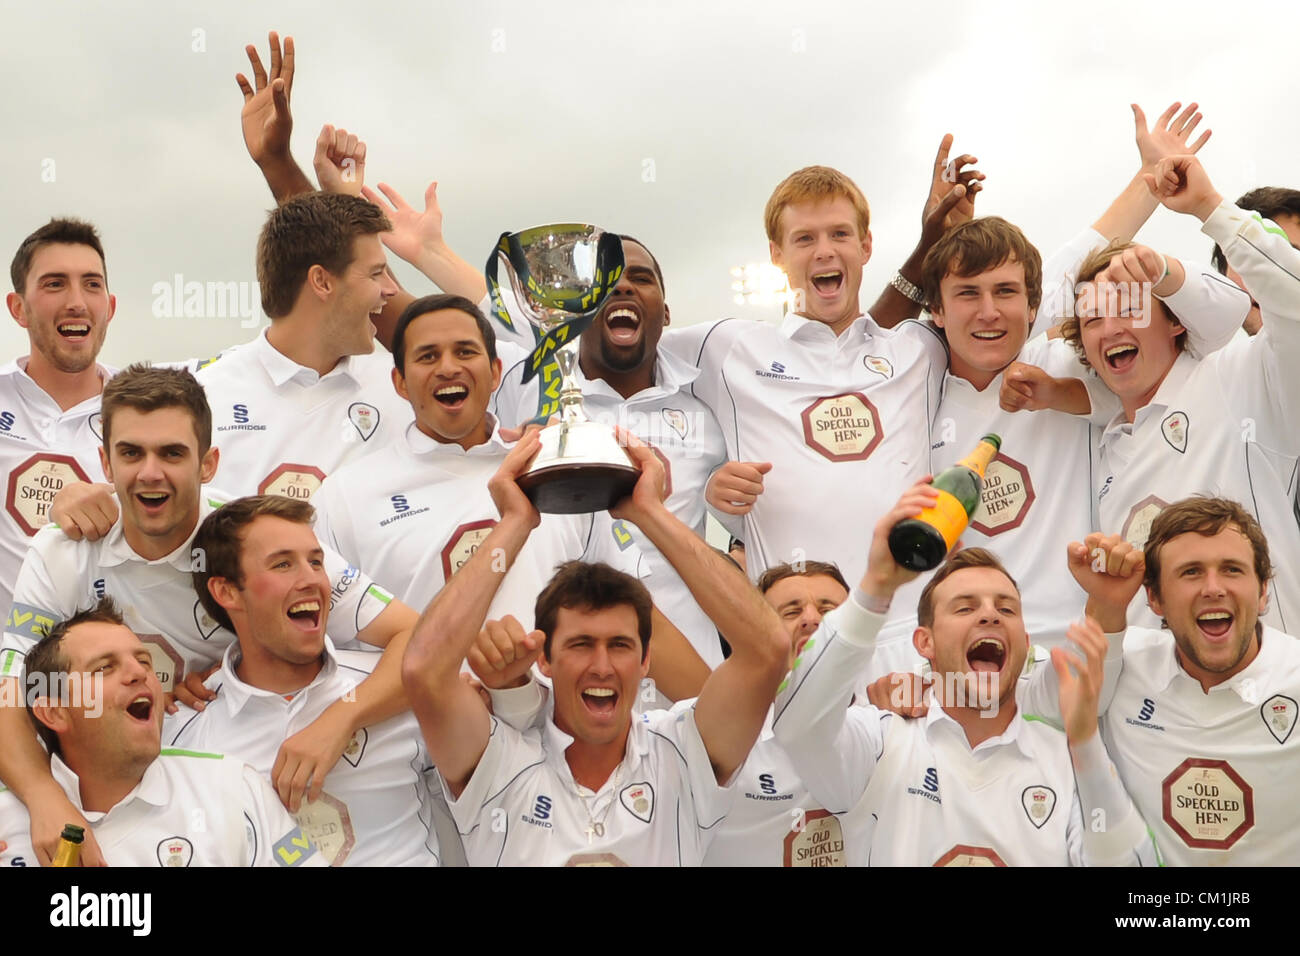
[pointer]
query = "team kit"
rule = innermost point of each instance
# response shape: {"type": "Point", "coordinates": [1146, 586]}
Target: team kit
{"type": "Point", "coordinates": [422, 579]}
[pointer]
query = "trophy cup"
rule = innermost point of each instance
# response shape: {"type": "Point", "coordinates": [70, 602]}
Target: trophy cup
{"type": "Point", "coordinates": [561, 275]}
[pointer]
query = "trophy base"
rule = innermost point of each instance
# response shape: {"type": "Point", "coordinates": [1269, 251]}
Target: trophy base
{"type": "Point", "coordinates": [580, 469]}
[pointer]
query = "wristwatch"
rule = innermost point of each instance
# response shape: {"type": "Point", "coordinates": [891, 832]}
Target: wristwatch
{"type": "Point", "coordinates": [908, 289]}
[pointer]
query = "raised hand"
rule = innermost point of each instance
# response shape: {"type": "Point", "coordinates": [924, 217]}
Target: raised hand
{"type": "Point", "coordinates": [509, 498]}
{"type": "Point", "coordinates": [265, 117]}
{"type": "Point", "coordinates": [648, 492]}
{"type": "Point", "coordinates": [1181, 184]}
{"type": "Point", "coordinates": [1078, 692]}
{"type": "Point", "coordinates": [340, 161]}
{"type": "Point", "coordinates": [1110, 571]}
{"type": "Point", "coordinates": [503, 653]}
{"type": "Point", "coordinates": [414, 232]}
{"type": "Point", "coordinates": [947, 205]}
{"type": "Point", "coordinates": [1027, 388]}
{"type": "Point", "coordinates": [735, 486]}
{"type": "Point", "coordinates": [1169, 136]}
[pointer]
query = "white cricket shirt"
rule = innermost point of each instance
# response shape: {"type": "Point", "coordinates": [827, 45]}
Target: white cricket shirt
{"type": "Point", "coordinates": [933, 800]}
{"type": "Point", "coordinates": [1224, 424]}
{"type": "Point", "coordinates": [416, 511]}
{"type": "Point", "coordinates": [157, 600]}
{"type": "Point", "coordinates": [189, 809]}
{"type": "Point", "coordinates": [374, 808]}
{"type": "Point", "coordinates": [282, 427]}
{"type": "Point", "coordinates": [660, 806]}
{"type": "Point", "coordinates": [42, 448]}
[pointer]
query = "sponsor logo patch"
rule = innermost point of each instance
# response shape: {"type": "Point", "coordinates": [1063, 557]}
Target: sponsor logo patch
{"type": "Point", "coordinates": [328, 825]}
{"type": "Point", "coordinates": [1137, 526]}
{"type": "Point", "coordinates": [462, 544]}
{"type": "Point", "coordinates": [1207, 803]}
{"type": "Point", "coordinates": [843, 427]}
{"type": "Point", "coordinates": [1006, 498]}
{"type": "Point", "coordinates": [33, 485]}
{"type": "Point", "coordinates": [819, 842]}
{"type": "Point", "coordinates": [292, 481]}
{"type": "Point", "coordinates": [962, 855]}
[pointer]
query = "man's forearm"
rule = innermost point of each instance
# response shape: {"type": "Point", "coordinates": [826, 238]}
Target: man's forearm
{"type": "Point", "coordinates": [892, 307]}
{"type": "Point", "coordinates": [380, 696]}
{"type": "Point", "coordinates": [286, 179]}
{"type": "Point", "coordinates": [452, 274]}
{"type": "Point", "coordinates": [1128, 212]}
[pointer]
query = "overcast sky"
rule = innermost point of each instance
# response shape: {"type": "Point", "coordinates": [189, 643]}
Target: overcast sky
{"type": "Point", "coordinates": [671, 121]}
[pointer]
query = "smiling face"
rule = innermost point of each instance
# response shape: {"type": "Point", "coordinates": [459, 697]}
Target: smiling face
{"type": "Point", "coordinates": [127, 734]}
{"type": "Point", "coordinates": [801, 601]}
{"type": "Point", "coordinates": [822, 252]}
{"type": "Point", "coordinates": [362, 289]}
{"type": "Point", "coordinates": [154, 463]}
{"type": "Point", "coordinates": [625, 334]}
{"type": "Point", "coordinates": [1211, 597]}
{"type": "Point", "coordinates": [65, 306]}
{"type": "Point", "coordinates": [447, 377]}
{"type": "Point", "coordinates": [986, 319]}
{"type": "Point", "coordinates": [596, 666]}
{"type": "Point", "coordinates": [977, 629]}
{"type": "Point", "coordinates": [281, 606]}
{"type": "Point", "coordinates": [1131, 350]}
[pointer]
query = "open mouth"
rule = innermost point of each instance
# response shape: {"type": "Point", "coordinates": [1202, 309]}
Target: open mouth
{"type": "Point", "coordinates": [987, 654]}
{"type": "Point", "coordinates": [989, 335]}
{"type": "Point", "coordinates": [1215, 624]}
{"type": "Point", "coordinates": [74, 330]}
{"type": "Point", "coordinates": [140, 709]}
{"type": "Point", "coordinates": [828, 283]}
{"type": "Point", "coordinates": [600, 701]}
{"type": "Point", "coordinates": [153, 500]}
{"type": "Point", "coordinates": [1120, 358]}
{"type": "Point", "coordinates": [451, 396]}
{"type": "Point", "coordinates": [623, 325]}
{"type": "Point", "coordinates": [305, 614]}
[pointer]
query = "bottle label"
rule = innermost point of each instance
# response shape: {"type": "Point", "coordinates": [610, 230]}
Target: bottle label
{"type": "Point", "coordinates": [947, 516]}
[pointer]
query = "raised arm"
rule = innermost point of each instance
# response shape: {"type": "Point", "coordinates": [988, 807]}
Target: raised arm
{"type": "Point", "coordinates": [733, 705]}
{"type": "Point", "coordinates": [267, 122]}
{"type": "Point", "coordinates": [452, 716]}
{"type": "Point", "coordinates": [951, 201]}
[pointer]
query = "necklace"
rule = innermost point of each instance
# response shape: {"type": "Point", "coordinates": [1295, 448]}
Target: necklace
{"type": "Point", "coordinates": [596, 828]}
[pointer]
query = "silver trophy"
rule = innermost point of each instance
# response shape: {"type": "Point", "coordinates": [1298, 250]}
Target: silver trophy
{"type": "Point", "coordinates": [560, 275]}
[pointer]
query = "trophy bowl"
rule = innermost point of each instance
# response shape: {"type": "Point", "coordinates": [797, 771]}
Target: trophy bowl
{"type": "Point", "coordinates": [560, 275]}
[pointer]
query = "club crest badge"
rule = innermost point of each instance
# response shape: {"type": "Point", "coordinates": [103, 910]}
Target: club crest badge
{"type": "Point", "coordinates": [364, 418]}
{"type": "Point", "coordinates": [676, 419]}
{"type": "Point", "coordinates": [175, 851]}
{"type": "Point", "coordinates": [356, 747]}
{"type": "Point", "coordinates": [878, 364]}
{"type": "Point", "coordinates": [204, 622]}
{"type": "Point", "coordinates": [1279, 713]}
{"type": "Point", "coordinates": [639, 800]}
{"type": "Point", "coordinates": [1039, 802]}
{"type": "Point", "coordinates": [1174, 428]}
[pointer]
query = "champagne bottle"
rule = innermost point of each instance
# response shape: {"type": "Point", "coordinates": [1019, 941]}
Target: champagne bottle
{"type": "Point", "coordinates": [920, 543]}
{"type": "Point", "coordinates": [68, 852]}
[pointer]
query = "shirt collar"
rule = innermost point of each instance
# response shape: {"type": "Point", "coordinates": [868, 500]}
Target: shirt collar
{"type": "Point", "coordinates": [153, 788]}
{"type": "Point", "coordinates": [1246, 683]}
{"type": "Point", "coordinates": [114, 549]}
{"type": "Point", "coordinates": [236, 693]}
{"type": "Point", "coordinates": [282, 369]}
{"type": "Point", "coordinates": [34, 394]}
{"type": "Point", "coordinates": [1165, 396]}
{"type": "Point", "coordinates": [938, 721]}
{"type": "Point", "coordinates": [421, 444]}
{"type": "Point", "coordinates": [795, 327]}
{"type": "Point", "coordinates": [556, 742]}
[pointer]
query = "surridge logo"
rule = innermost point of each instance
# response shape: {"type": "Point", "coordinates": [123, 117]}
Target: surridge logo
{"type": "Point", "coordinates": [776, 370]}
{"type": "Point", "coordinates": [75, 908]}
{"type": "Point", "coordinates": [399, 503]}
{"type": "Point", "coordinates": [6, 421]}
{"type": "Point", "coordinates": [1145, 713]}
{"type": "Point", "coordinates": [767, 784]}
{"type": "Point", "coordinates": [242, 421]}
{"type": "Point", "coordinates": [929, 786]}
{"type": "Point", "coordinates": [541, 814]}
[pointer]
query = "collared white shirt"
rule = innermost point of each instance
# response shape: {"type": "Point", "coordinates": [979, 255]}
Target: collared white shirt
{"type": "Point", "coordinates": [60, 577]}
{"type": "Point", "coordinates": [931, 797]}
{"type": "Point", "coordinates": [374, 807]}
{"type": "Point", "coordinates": [189, 809]}
{"type": "Point", "coordinates": [660, 806]}
{"type": "Point", "coordinates": [1214, 773]}
{"type": "Point", "coordinates": [845, 422]}
{"type": "Point", "coordinates": [282, 427]}
{"type": "Point", "coordinates": [416, 511]}
{"type": "Point", "coordinates": [42, 448]}
{"type": "Point", "coordinates": [1222, 425]}
{"type": "Point", "coordinates": [684, 432]}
